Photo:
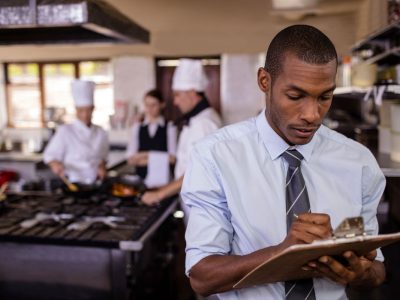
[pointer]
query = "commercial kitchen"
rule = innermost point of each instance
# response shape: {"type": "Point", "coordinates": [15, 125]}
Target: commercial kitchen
{"type": "Point", "coordinates": [64, 238]}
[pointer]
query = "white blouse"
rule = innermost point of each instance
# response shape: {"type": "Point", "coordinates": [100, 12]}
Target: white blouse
{"type": "Point", "coordinates": [133, 144]}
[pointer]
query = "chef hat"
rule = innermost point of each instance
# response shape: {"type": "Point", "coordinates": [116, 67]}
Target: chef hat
{"type": "Point", "coordinates": [83, 92]}
{"type": "Point", "coordinates": [189, 75]}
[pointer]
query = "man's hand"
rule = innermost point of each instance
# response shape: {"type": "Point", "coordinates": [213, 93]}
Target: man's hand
{"type": "Point", "coordinates": [152, 197]}
{"type": "Point", "coordinates": [307, 228]}
{"type": "Point", "coordinates": [57, 167]}
{"type": "Point", "coordinates": [359, 272]}
{"type": "Point", "coordinates": [101, 172]}
{"type": "Point", "coordinates": [168, 190]}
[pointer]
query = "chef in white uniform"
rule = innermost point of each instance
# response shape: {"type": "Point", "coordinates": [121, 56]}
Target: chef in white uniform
{"type": "Point", "coordinates": [188, 84]}
{"type": "Point", "coordinates": [79, 150]}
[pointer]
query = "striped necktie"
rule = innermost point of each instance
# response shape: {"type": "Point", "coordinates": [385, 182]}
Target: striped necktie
{"type": "Point", "coordinates": [296, 203]}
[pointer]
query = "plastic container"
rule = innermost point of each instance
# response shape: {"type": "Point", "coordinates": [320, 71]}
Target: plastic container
{"type": "Point", "coordinates": [395, 147]}
{"type": "Point", "coordinates": [363, 74]}
{"type": "Point", "coordinates": [346, 71]}
{"type": "Point", "coordinates": [395, 117]}
{"type": "Point", "coordinates": [384, 112]}
{"type": "Point", "coordinates": [384, 139]}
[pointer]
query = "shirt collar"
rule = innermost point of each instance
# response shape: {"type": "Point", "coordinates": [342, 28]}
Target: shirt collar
{"type": "Point", "coordinates": [199, 107]}
{"type": "Point", "coordinates": [159, 121]}
{"type": "Point", "coordinates": [275, 144]}
{"type": "Point", "coordinates": [82, 127]}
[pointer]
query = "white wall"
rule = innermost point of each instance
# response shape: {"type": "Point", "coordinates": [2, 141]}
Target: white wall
{"type": "Point", "coordinates": [133, 77]}
{"type": "Point", "coordinates": [241, 97]}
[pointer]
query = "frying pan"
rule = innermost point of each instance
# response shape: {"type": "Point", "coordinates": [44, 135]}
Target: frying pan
{"type": "Point", "coordinates": [128, 181]}
{"type": "Point", "coordinates": [84, 190]}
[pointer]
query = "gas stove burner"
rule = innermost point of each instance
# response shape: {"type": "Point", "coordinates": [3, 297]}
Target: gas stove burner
{"type": "Point", "coordinates": [45, 217]}
{"type": "Point", "coordinates": [109, 221]}
{"type": "Point", "coordinates": [68, 200]}
{"type": "Point", "coordinates": [99, 211]}
{"type": "Point", "coordinates": [96, 220]}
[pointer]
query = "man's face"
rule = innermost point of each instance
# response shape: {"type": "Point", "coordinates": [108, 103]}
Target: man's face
{"type": "Point", "coordinates": [84, 114]}
{"type": "Point", "coordinates": [185, 100]}
{"type": "Point", "coordinates": [299, 98]}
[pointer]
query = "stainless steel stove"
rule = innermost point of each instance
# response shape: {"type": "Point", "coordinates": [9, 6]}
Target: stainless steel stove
{"type": "Point", "coordinates": [89, 248]}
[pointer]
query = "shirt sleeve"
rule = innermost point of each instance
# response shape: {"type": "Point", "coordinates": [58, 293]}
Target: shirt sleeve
{"type": "Point", "coordinates": [198, 130]}
{"type": "Point", "coordinates": [172, 135]}
{"type": "Point", "coordinates": [209, 230]}
{"type": "Point", "coordinates": [373, 185]}
{"type": "Point", "coordinates": [55, 150]}
{"type": "Point", "coordinates": [133, 143]}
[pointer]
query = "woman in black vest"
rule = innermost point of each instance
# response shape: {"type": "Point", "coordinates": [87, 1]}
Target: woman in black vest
{"type": "Point", "coordinates": [154, 133]}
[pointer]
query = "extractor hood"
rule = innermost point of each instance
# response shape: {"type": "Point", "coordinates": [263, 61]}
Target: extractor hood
{"type": "Point", "coordinates": [24, 22]}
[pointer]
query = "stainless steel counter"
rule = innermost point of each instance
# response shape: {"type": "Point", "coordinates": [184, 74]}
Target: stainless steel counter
{"type": "Point", "coordinates": [114, 157]}
{"type": "Point", "coordinates": [101, 262]}
{"type": "Point", "coordinates": [30, 166]}
{"type": "Point", "coordinates": [20, 157]}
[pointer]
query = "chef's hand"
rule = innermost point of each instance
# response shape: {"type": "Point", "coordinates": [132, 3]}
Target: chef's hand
{"type": "Point", "coordinates": [101, 172]}
{"type": "Point", "coordinates": [172, 159]}
{"type": "Point", "coordinates": [356, 272]}
{"type": "Point", "coordinates": [307, 228]}
{"type": "Point", "coordinates": [139, 159]}
{"type": "Point", "coordinates": [152, 197]}
{"type": "Point", "coordinates": [57, 167]}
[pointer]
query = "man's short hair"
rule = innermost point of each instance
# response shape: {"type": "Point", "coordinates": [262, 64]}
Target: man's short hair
{"type": "Point", "coordinates": [306, 42]}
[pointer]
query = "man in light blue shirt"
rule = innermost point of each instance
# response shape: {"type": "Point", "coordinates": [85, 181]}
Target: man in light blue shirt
{"type": "Point", "coordinates": [235, 183]}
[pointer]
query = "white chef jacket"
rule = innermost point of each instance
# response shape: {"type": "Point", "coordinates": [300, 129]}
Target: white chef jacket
{"type": "Point", "coordinates": [199, 126]}
{"type": "Point", "coordinates": [80, 148]}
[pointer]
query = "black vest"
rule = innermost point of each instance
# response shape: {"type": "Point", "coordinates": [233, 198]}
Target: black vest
{"type": "Point", "coordinates": [147, 143]}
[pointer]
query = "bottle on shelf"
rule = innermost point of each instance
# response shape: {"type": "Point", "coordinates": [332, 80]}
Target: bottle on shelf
{"type": "Point", "coordinates": [346, 70]}
{"type": "Point", "coordinates": [343, 78]}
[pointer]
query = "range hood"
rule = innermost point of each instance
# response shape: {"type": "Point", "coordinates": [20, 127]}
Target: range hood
{"type": "Point", "coordinates": [27, 22]}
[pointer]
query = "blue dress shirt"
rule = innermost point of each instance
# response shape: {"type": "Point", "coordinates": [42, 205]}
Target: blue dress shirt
{"type": "Point", "coordinates": [235, 188]}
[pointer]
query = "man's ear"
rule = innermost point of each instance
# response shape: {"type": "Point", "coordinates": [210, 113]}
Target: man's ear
{"type": "Point", "coordinates": [263, 80]}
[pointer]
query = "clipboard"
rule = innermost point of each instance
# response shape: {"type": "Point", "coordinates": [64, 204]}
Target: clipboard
{"type": "Point", "coordinates": [287, 265]}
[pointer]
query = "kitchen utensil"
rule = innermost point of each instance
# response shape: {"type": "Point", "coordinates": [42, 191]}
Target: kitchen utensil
{"type": "Point", "coordinates": [40, 217]}
{"type": "Point", "coordinates": [71, 186]}
{"type": "Point", "coordinates": [88, 221]}
{"type": "Point", "coordinates": [83, 190]}
{"type": "Point", "coordinates": [126, 187]}
{"type": "Point", "coordinates": [2, 190]}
